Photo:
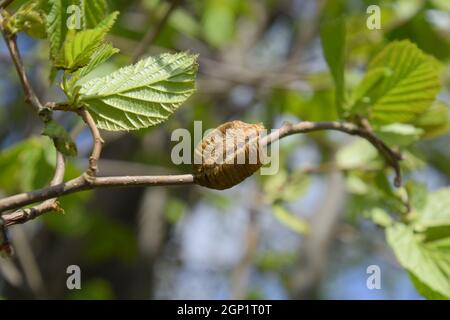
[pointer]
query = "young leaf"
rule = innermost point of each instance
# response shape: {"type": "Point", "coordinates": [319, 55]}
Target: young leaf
{"type": "Point", "coordinates": [101, 55]}
{"type": "Point", "coordinates": [61, 138]}
{"type": "Point", "coordinates": [359, 102]}
{"type": "Point", "coordinates": [94, 11]}
{"type": "Point", "coordinates": [332, 36]}
{"type": "Point", "coordinates": [427, 262]}
{"type": "Point", "coordinates": [80, 46]}
{"type": "Point", "coordinates": [141, 95]}
{"type": "Point", "coordinates": [408, 90]}
{"type": "Point", "coordinates": [56, 25]}
{"type": "Point", "coordinates": [78, 49]}
{"type": "Point", "coordinates": [31, 19]}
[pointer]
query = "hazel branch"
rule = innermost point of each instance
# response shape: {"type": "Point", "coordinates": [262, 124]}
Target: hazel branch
{"type": "Point", "coordinates": [81, 183]}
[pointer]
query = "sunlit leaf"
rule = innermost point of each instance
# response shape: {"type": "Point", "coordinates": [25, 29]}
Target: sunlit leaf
{"type": "Point", "coordinates": [79, 47]}
{"type": "Point", "coordinates": [30, 18]}
{"type": "Point", "coordinates": [425, 262]}
{"type": "Point", "coordinates": [141, 95]}
{"type": "Point", "coordinates": [409, 89]}
{"type": "Point", "coordinates": [94, 11]}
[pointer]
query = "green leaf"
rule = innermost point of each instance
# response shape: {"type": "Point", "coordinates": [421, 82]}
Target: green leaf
{"type": "Point", "coordinates": [101, 55]}
{"type": "Point", "coordinates": [408, 91]}
{"type": "Point", "coordinates": [94, 11]}
{"type": "Point", "coordinates": [79, 47]}
{"type": "Point", "coordinates": [141, 95]}
{"type": "Point", "coordinates": [31, 19]}
{"type": "Point", "coordinates": [332, 36]}
{"type": "Point", "coordinates": [399, 134]}
{"type": "Point", "coordinates": [290, 220]}
{"type": "Point", "coordinates": [56, 25]}
{"type": "Point", "coordinates": [425, 262]}
{"type": "Point", "coordinates": [359, 101]}
{"type": "Point", "coordinates": [425, 290]}
{"type": "Point", "coordinates": [27, 165]}
{"type": "Point", "coordinates": [434, 121]}
{"type": "Point", "coordinates": [61, 138]}
{"type": "Point", "coordinates": [436, 213]}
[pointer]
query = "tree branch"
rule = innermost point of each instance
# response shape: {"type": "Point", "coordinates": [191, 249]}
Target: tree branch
{"type": "Point", "coordinates": [391, 156]}
{"type": "Point", "coordinates": [85, 182]}
{"type": "Point", "coordinates": [81, 183]}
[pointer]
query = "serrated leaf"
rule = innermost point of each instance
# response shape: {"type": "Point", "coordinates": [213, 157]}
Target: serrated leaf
{"type": "Point", "coordinates": [107, 23]}
{"type": "Point", "coordinates": [332, 36]}
{"type": "Point", "coordinates": [426, 263]}
{"type": "Point", "coordinates": [56, 25]}
{"type": "Point", "coordinates": [94, 11]}
{"type": "Point", "coordinates": [101, 55]}
{"type": "Point", "coordinates": [61, 138]}
{"type": "Point", "coordinates": [141, 95]}
{"type": "Point", "coordinates": [409, 90]}
{"type": "Point", "coordinates": [80, 46]}
{"type": "Point", "coordinates": [290, 220]}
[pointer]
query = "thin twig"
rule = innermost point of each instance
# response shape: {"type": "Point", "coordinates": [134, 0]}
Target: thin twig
{"type": "Point", "coordinates": [81, 183]}
{"type": "Point", "coordinates": [97, 141]}
{"type": "Point", "coordinates": [153, 34]}
{"type": "Point", "coordinates": [287, 129]}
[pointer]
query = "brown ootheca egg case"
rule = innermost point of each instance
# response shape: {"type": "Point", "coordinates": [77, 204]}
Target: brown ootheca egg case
{"type": "Point", "coordinates": [228, 155]}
